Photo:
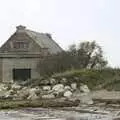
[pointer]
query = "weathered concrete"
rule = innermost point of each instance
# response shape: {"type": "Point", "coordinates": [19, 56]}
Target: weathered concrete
{"type": "Point", "coordinates": [16, 63]}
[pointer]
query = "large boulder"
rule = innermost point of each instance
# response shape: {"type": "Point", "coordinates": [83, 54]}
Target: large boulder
{"type": "Point", "coordinates": [53, 81]}
{"type": "Point", "coordinates": [3, 87]}
{"type": "Point", "coordinates": [23, 93]}
{"type": "Point", "coordinates": [46, 88]}
{"type": "Point", "coordinates": [49, 96]}
{"type": "Point", "coordinates": [58, 87]}
{"type": "Point", "coordinates": [74, 86]}
{"type": "Point", "coordinates": [9, 94]}
{"type": "Point", "coordinates": [84, 88]}
{"type": "Point", "coordinates": [67, 88]}
{"type": "Point", "coordinates": [63, 81]}
{"type": "Point", "coordinates": [15, 86]}
{"type": "Point", "coordinates": [68, 94]}
{"type": "Point", "coordinates": [58, 90]}
{"type": "Point", "coordinates": [28, 93]}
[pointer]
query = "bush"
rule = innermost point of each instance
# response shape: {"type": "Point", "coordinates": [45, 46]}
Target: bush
{"type": "Point", "coordinates": [87, 55]}
{"type": "Point", "coordinates": [95, 79]}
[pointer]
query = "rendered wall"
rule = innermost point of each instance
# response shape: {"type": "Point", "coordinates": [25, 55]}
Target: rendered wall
{"type": "Point", "coordinates": [18, 63]}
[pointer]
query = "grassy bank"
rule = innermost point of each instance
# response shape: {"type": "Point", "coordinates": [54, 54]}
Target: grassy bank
{"type": "Point", "coordinates": [95, 79]}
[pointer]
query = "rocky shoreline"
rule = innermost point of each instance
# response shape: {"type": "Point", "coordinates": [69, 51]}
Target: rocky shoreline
{"type": "Point", "coordinates": [56, 91]}
{"type": "Point", "coordinates": [69, 98]}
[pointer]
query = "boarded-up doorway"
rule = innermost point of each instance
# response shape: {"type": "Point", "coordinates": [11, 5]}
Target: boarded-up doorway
{"type": "Point", "coordinates": [21, 74]}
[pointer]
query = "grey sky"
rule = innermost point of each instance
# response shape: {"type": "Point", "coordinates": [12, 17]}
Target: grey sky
{"type": "Point", "coordinates": [69, 21]}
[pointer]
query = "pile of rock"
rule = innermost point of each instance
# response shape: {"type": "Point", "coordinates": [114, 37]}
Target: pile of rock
{"type": "Point", "coordinates": [72, 91]}
{"type": "Point", "coordinates": [58, 90]}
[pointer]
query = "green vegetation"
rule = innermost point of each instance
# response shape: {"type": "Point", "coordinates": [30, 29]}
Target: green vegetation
{"type": "Point", "coordinates": [95, 79]}
{"type": "Point", "coordinates": [85, 55]}
{"type": "Point", "coordinates": [14, 104]}
{"type": "Point", "coordinates": [86, 62]}
{"type": "Point", "coordinates": [107, 78]}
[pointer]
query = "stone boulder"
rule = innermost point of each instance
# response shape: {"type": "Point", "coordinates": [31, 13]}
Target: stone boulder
{"type": "Point", "coordinates": [58, 87]}
{"type": "Point", "coordinates": [15, 86]}
{"type": "Point", "coordinates": [67, 88]}
{"type": "Point", "coordinates": [36, 90]}
{"type": "Point", "coordinates": [3, 87]}
{"type": "Point", "coordinates": [49, 96]}
{"type": "Point", "coordinates": [46, 88]}
{"type": "Point", "coordinates": [53, 81]}
{"type": "Point", "coordinates": [58, 90]}
{"type": "Point", "coordinates": [32, 96]}
{"type": "Point", "coordinates": [9, 94]}
{"type": "Point", "coordinates": [63, 81]}
{"type": "Point", "coordinates": [23, 93]}
{"type": "Point", "coordinates": [67, 94]}
{"type": "Point", "coordinates": [74, 86]}
{"type": "Point", "coordinates": [84, 88]}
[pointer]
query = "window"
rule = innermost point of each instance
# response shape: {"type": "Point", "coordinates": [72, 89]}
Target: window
{"type": "Point", "coordinates": [21, 74]}
{"type": "Point", "coordinates": [20, 45]}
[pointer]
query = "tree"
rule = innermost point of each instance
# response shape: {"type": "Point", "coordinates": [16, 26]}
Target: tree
{"type": "Point", "coordinates": [90, 55]}
{"type": "Point", "coordinates": [87, 55]}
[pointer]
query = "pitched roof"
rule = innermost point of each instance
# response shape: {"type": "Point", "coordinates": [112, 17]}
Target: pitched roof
{"type": "Point", "coordinates": [44, 40]}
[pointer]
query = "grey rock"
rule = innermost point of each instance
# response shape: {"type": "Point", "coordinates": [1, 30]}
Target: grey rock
{"type": "Point", "coordinates": [84, 88]}
{"type": "Point", "coordinates": [49, 96]}
{"type": "Point", "coordinates": [68, 94]}
{"type": "Point", "coordinates": [67, 88]}
{"type": "Point", "coordinates": [32, 96]}
{"type": "Point", "coordinates": [74, 86]}
{"type": "Point", "coordinates": [58, 87]}
{"type": "Point", "coordinates": [46, 88]}
{"type": "Point", "coordinates": [53, 81]}
{"type": "Point", "coordinates": [15, 86]}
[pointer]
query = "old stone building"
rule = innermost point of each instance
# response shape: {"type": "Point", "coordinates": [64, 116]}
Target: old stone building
{"type": "Point", "coordinates": [20, 54]}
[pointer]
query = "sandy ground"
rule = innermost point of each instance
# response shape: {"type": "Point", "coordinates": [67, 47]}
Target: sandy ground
{"type": "Point", "coordinates": [83, 112]}
{"type": "Point", "coordinates": [104, 94]}
{"type": "Point", "coordinates": [51, 114]}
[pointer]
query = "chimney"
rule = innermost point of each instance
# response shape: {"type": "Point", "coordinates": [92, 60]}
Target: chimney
{"type": "Point", "coordinates": [20, 28]}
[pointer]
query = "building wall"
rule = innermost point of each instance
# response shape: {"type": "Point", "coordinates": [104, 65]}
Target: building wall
{"type": "Point", "coordinates": [10, 45]}
{"type": "Point", "coordinates": [1, 72]}
{"type": "Point", "coordinates": [8, 64]}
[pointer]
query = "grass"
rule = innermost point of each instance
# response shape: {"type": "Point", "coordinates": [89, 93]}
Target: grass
{"type": "Point", "coordinates": [7, 104]}
{"type": "Point", "coordinates": [93, 78]}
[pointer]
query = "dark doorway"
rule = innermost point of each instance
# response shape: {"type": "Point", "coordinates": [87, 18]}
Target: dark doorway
{"type": "Point", "coordinates": [21, 74]}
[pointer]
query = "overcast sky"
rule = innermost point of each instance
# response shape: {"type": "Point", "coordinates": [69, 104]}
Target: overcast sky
{"type": "Point", "coordinates": [69, 21]}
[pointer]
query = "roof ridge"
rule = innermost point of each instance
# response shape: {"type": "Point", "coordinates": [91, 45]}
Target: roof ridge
{"type": "Point", "coordinates": [36, 32]}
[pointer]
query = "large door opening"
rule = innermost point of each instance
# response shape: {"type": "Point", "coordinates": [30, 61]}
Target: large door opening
{"type": "Point", "coordinates": [21, 74]}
